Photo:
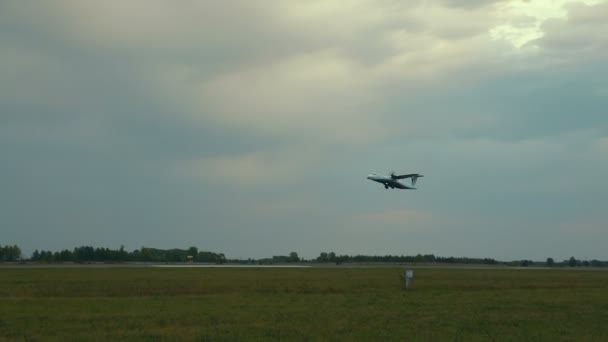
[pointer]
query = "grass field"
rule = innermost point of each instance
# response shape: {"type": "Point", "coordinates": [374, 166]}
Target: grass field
{"type": "Point", "coordinates": [302, 304]}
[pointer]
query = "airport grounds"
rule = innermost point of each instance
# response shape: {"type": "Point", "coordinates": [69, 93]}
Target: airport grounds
{"type": "Point", "coordinates": [133, 302]}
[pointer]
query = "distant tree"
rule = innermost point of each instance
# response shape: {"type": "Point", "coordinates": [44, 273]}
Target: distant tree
{"type": "Point", "coordinates": [429, 258]}
{"type": "Point", "coordinates": [331, 257]}
{"type": "Point", "coordinates": [596, 263]}
{"type": "Point", "coordinates": [85, 253]}
{"type": "Point", "coordinates": [10, 253]}
{"type": "Point", "coordinates": [203, 256]}
{"type": "Point", "coordinates": [66, 255]}
{"type": "Point", "coordinates": [46, 256]}
{"type": "Point", "coordinates": [572, 262]}
{"type": "Point", "coordinates": [293, 257]}
{"type": "Point", "coordinates": [135, 255]}
{"type": "Point", "coordinates": [323, 257]}
{"type": "Point", "coordinates": [174, 255]}
{"type": "Point", "coordinates": [550, 262]}
{"type": "Point", "coordinates": [193, 251]}
{"type": "Point", "coordinates": [35, 255]}
{"type": "Point", "coordinates": [146, 254]}
{"type": "Point", "coordinates": [489, 261]}
{"type": "Point", "coordinates": [221, 258]}
{"type": "Point", "coordinates": [123, 255]}
{"type": "Point", "coordinates": [342, 258]}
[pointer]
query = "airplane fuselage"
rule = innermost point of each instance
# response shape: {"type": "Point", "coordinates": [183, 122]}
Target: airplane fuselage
{"type": "Point", "coordinates": [388, 181]}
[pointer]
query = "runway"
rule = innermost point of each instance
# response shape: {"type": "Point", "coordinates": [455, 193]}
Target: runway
{"type": "Point", "coordinates": [228, 266]}
{"type": "Point", "coordinates": [144, 265]}
{"type": "Point", "coordinates": [286, 266]}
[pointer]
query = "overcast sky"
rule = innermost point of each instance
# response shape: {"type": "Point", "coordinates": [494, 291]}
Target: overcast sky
{"type": "Point", "coordinates": [248, 127]}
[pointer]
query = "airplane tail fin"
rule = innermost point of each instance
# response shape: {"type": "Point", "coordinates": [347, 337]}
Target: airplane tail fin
{"type": "Point", "coordinates": [415, 179]}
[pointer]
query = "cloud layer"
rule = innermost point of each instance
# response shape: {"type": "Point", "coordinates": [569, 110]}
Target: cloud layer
{"type": "Point", "coordinates": [248, 127]}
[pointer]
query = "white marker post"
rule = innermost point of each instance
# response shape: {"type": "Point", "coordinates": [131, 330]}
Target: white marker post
{"type": "Point", "coordinates": [409, 279]}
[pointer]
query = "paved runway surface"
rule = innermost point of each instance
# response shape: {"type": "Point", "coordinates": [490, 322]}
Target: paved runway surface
{"type": "Point", "coordinates": [144, 265]}
{"type": "Point", "coordinates": [312, 265]}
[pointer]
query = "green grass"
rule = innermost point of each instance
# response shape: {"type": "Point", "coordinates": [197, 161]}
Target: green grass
{"type": "Point", "coordinates": [302, 304]}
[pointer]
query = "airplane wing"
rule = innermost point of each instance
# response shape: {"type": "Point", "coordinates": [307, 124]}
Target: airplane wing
{"type": "Point", "coordinates": [411, 175]}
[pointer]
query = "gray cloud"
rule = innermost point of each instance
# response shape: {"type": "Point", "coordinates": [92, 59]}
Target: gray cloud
{"type": "Point", "coordinates": [470, 4]}
{"type": "Point", "coordinates": [581, 35]}
{"type": "Point", "coordinates": [248, 128]}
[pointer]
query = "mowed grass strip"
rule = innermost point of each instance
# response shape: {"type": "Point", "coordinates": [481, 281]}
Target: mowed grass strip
{"type": "Point", "coordinates": [302, 304]}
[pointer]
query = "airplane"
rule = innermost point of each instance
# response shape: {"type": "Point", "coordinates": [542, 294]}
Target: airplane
{"type": "Point", "coordinates": [392, 181]}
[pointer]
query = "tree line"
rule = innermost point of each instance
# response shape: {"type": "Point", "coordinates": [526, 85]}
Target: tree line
{"type": "Point", "coordinates": [332, 257]}
{"type": "Point", "coordinates": [82, 254]}
{"type": "Point", "coordinates": [10, 253]}
{"type": "Point", "coordinates": [419, 258]}
{"type": "Point", "coordinates": [144, 254]}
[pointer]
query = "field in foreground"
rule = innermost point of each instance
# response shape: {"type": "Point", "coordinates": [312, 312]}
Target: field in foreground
{"type": "Point", "coordinates": [302, 304]}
